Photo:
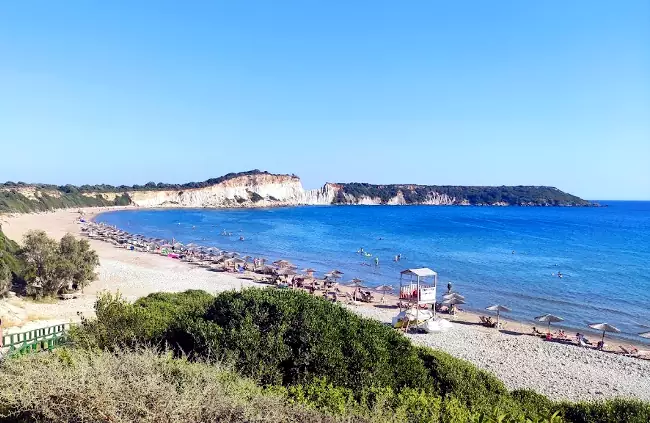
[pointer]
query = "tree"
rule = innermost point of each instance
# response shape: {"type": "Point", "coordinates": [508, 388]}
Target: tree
{"type": "Point", "coordinates": [78, 262]}
{"type": "Point", "coordinates": [40, 256]}
{"type": "Point", "coordinates": [51, 268]}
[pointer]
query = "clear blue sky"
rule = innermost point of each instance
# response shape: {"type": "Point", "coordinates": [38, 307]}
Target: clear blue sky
{"type": "Point", "coordinates": [434, 92]}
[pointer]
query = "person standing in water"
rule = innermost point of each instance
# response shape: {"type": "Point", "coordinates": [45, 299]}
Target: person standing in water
{"type": "Point", "coordinates": [448, 287]}
{"type": "Point", "coordinates": [376, 261]}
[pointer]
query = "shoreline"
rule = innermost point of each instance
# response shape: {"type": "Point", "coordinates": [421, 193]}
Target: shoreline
{"type": "Point", "coordinates": [521, 361]}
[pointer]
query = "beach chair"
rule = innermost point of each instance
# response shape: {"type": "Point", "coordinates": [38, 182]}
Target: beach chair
{"type": "Point", "coordinates": [349, 299]}
{"type": "Point", "coordinates": [630, 353]}
{"type": "Point", "coordinates": [582, 343]}
{"type": "Point", "coordinates": [487, 321]}
{"type": "Point", "coordinates": [633, 352]}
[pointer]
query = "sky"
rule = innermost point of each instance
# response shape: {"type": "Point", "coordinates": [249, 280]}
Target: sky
{"type": "Point", "coordinates": [433, 92]}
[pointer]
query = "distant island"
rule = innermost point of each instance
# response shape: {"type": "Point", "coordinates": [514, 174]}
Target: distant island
{"type": "Point", "coordinates": [257, 188]}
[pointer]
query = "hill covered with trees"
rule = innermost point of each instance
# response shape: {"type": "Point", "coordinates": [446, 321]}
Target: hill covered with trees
{"type": "Point", "coordinates": [462, 195]}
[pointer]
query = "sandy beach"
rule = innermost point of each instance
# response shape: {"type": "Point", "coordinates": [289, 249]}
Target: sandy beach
{"type": "Point", "coordinates": [557, 370]}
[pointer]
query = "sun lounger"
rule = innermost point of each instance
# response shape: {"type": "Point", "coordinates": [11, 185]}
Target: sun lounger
{"type": "Point", "coordinates": [487, 321]}
{"type": "Point", "coordinates": [630, 352]}
{"type": "Point", "coordinates": [633, 352]}
{"type": "Point", "coordinates": [349, 299]}
{"type": "Point", "coordinates": [582, 343]}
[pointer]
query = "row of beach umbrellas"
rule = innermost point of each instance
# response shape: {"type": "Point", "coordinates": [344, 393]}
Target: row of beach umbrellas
{"type": "Point", "coordinates": [550, 318]}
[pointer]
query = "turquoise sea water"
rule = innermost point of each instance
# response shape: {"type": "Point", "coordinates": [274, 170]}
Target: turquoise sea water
{"type": "Point", "coordinates": [603, 253]}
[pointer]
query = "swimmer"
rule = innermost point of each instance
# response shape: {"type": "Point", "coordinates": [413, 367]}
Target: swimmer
{"type": "Point", "coordinates": [376, 261]}
{"type": "Point", "coordinates": [241, 238]}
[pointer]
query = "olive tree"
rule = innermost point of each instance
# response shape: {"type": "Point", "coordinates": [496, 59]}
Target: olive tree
{"type": "Point", "coordinates": [77, 262]}
{"type": "Point", "coordinates": [51, 267]}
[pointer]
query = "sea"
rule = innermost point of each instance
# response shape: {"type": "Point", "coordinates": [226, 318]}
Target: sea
{"type": "Point", "coordinates": [492, 255]}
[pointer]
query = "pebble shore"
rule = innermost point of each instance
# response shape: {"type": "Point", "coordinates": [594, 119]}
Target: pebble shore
{"type": "Point", "coordinates": [559, 371]}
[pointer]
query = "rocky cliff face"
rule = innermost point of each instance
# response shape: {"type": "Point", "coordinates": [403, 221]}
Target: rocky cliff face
{"type": "Point", "coordinates": [244, 191]}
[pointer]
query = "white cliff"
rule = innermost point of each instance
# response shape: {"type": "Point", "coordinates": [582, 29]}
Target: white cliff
{"type": "Point", "coordinates": [262, 190]}
{"type": "Point", "coordinates": [266, 190]}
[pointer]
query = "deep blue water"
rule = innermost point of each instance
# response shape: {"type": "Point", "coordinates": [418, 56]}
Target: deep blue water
{"type": "Point", "coordinates": [604, 253]}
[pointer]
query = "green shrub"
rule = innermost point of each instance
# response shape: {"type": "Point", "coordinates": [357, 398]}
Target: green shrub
{"type": "Point", "coordinates": [474, 387]}
{"type": "Point", "coordinates": [72, 385]}
{"type": "Point", "coordinates": [532, 403]}
{"type": "Point", "coordinates": [149, 320]}
{"type": "Point", "coordinates": [289, 338]}
{"type": "Point", "coordinates": [611, 411]}
{"type": "Point", "coordinates": [418, 406]}
{"type": "Point", "coordinates": [321, 355]}
{"type": "Point", "coordinates": [9, 259]}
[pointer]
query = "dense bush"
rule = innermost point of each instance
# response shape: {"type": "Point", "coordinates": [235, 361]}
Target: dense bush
{"type": "Point", "coordinates": [611, 411]}
{"type": "Point", "coordinates": [149, 320]}
{"type": "Point", "coordinates": [288, 337]}
{"type": "Point", "coordinates": [321, 355]}
{"type": "Point", "coordinates": [79, 386]}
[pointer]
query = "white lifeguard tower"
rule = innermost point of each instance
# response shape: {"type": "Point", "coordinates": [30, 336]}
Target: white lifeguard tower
{"type": "Point", "coordinates": [417, 287]}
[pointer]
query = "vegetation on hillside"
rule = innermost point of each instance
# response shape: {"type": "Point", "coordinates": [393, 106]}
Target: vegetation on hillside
{"type": "Point", "coordinates": [12, 201]}
{"type": "Point", "coordinates": [474, 195]}
{"type": "Point", "coordinates": [11, 267]}
{"type": "Point", "coordinates": [319, 355]}
{"type": "Point", "coordinates": [149, 186]}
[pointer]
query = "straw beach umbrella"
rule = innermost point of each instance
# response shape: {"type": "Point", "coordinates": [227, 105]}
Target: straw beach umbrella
{"type": "Point", "coordinates": [498, 308]}
{"type": "Point", "coordinates": [645, 335]}
{"type": "Point", "coordinates": [285, 271]}
{"type": "Point", "coordinates": [356, 283]}
{"type": "Point", "coordinates": [453, 301]}
{"type": "Point", "coordinates": [331, 275]}
{"type": "Point", "coordinates": [384, 289]}
{"type": "Point", "coordinates": [549, 318]}
{"type": "Point", "coordinates": [453, 295]}
{"type": "Point", "coordinates": [282, 263]}
{"type": "Point", "coordinates": [605, 327]}
{"type": "Point", "coordinates": [309, 272]}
